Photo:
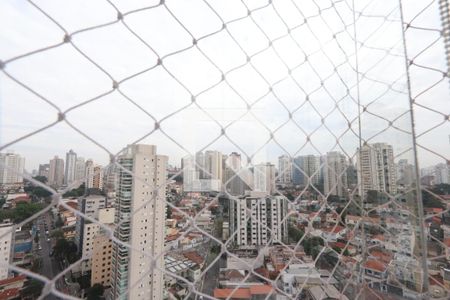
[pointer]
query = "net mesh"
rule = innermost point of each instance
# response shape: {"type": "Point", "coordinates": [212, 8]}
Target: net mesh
{"type": "Point", "coordinates": [322, 87]}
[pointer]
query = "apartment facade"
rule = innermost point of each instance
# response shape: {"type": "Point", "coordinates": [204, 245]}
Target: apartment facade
{"type": "Point", "coordinates": [11, 168]}
{"type": "Point", "coordinates": [285, 169]}
{"type": "Point", "coordinates": [6, 233]}
{"type": "Point", "coordinates": [335, 174]}
{"type": "Point", "coordinates": [376, 169]}
{"type": "Point", "coordinates": [140, 218]}
{"type": "Point", "coordinates": [264, 178]}
{"type": "Point", "coordinates": [70, 170]}
{"type": "Point", "coordinates": [56, 172]}
{"type": "Point", "coordinates": [258, 220]}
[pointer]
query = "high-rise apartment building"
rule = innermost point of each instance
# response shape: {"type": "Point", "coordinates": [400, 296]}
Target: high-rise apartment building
{"type": "Point", "coordinates": [213, 165]}
{"type": "Point", "coordinates": [6, 238]}
{"type": "Point", "coordinates": [80, 169]}
{"type": "Point", "coordinates": [44, 170]}
{"type": "Point", "coordinates": [335, 174]}
{"type": "Point", "coordinates": [94, 175]}
{"type": "Point", "coordinates": [101, 259]}
{"type": "Point", "coordinates": [258, 220]}
{"type": "Point", "coordinates": [56, 172]}
{"type": "Point", "coordinates": [405, 172]}
{"type": "Point", "coordinates": [11, 168]}
{"type": "Point", "coordinates": [285, 169]}
{"type": "Point", "coordinates": [376, 169]}
{"type": "Point", "coordinates": [442, 174]}
{"type": "Point", "coordinates": [140, 218]}
{"type": "Point", "coordinates": [90, 207]}
{"type": "Point", "coordinates": [264, 178]}
{"type": "Point", "coordinates": [70, 170]}
{"type": "Point", "coordinates": [199, 164]}
{"type": "Point", "coordinates": [306, 169]}
{"type": "Point", "coordinates": [234, 177]}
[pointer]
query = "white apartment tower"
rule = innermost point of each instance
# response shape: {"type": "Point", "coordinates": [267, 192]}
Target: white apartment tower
{"type": "Point", "coordinates": [56, 172]}
{"type": "Point", "coordinates": [11, 166]}
{"type": "Point", "coordinates": [285, 169]}
{"type": "Point", "coordinates": [80, 169]}
{"type": "Point", "coordinates": [70, 170]}
{"type": "Point", "coordinates": [335, 174]}
{"type": "Point", "coordinates": [264, 178]}
{"type": "Point", "coordinates": [213, 165]}
{"type": "Point", "coordinates": [376, 169]}
{"type": "Point", "coordinates": [6, 233]}
{"type": "Point", "coordinates": [258, 220]}
{"type": "Point", "coordinates": [133, 275]}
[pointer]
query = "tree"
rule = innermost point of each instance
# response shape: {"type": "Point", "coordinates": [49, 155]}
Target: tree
{"type": "Point", "coordinates": [57, 234]}
{"type": "Point", "coordinates": [42, 179]}
{"type": "Point", "coordinates": [21, 212]}
{"type": "Point", "coordinates": [95, 292]}
{"type": "Point", "coordinates": [78, 192]}
{"type": "Point", "coordinates": [33, 288]}
{"type": "Point", "coordinates": [294, 233]}
{"type": "Point", "coordinates": [59, 222]}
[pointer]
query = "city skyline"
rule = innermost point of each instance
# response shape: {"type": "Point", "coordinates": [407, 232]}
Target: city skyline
{"type": "Point", "coordinates": [195, 126]}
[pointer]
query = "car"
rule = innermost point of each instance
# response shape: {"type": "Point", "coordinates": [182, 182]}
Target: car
{"type": "Point", "coordinates": [48, 240]}
{"type": "Point", "coordinates": [46, 232]}
{"type": "Point", "coordinates": [39, 248]}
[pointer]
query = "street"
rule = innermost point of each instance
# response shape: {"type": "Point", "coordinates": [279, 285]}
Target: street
{"type": "Point", "coordinates": [49, 266]}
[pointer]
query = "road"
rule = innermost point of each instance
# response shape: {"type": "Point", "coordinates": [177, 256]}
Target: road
{"type": "Point", "coordinates": [49, 266]}
{"type": "Point", "coordinates": [211, 279]}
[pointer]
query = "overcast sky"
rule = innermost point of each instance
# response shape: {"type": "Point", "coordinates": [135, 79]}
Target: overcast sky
{"type": "Point", "coordinates": [291, 80]}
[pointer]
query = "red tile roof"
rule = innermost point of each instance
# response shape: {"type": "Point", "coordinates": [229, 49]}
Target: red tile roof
{"type": "Point", "coordinates": [12, 280]}
{"type": "Point", "coordinates": [195, 257]}
{"type": "Point", "coordinates": [375, 265]}
{"type": "Point", "coordinates": [232, 294]}
{"type": "Point", "coordinates": [260, 289]}
{"type": "Point", "coordinates": [9, 294]}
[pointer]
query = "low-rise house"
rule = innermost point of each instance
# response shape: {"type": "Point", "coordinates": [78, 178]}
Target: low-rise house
{"type": "Point", "coordinates": [322, 292]}
{"type": "Point", "coordinates": [254, 292]}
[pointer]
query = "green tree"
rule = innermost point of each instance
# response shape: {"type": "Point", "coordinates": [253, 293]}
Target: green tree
{"type": "Point", "coordinates": [294, 233]}
{"type": "Point", "coordinates": [32, 288]}
{"type": "Point", "coordinates": [95, 292]}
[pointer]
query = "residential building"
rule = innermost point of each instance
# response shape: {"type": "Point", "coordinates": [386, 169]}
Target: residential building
{"type": "Point", "coordinates": [258, 220]}
{"type": "Point", "coordinates": [70, 170]}
{"type": "Point", "coordinates": [334, 174]}
{"type": "Point", "coordinates": [44, 170]}
{"type": "Point", "coordinates": [101, 250]}
{"type": "Point", "coordinates": [405, 173]}
{"type": "Point", "coordinates": [195, 177]}
{"type": "Point", "coordinates": [213, 165]}
{"type": "Point", "coordinates": [264, 178]}
{"type": "Point", "coordinates": [285, 171]}
{"type": "Point", "coordinates": [94, 175]}
{"type": "Point", "coordinates": [234, 176]}
{"type": "Point", "coordinates": [11, 168]}
{"type": "Point", "coordinates": [133, 275]}
{"type": "Point", "coordinates": [56, 172]}
{"type": "Point", "coordinates": [376, 169]}
{"type": "Point", "coordinates": [6, 238]}
{"type": "Point", "coordinates": [442, 173]}
{"type": "Point", "coordinates": [95, 207]}
{"type": "Point", "coordinates": [306, 169]}
{"type": "Point", "coordinates": [80, 169]}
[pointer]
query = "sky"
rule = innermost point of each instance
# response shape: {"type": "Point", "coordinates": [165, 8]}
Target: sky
{"type": "Point", "coordinates": [285, 71]}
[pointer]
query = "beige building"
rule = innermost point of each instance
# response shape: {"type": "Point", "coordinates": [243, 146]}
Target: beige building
{"type": "Point", "coordinates": [101, 260]}
{"type": "Point", "coordinates": [140, 222]}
